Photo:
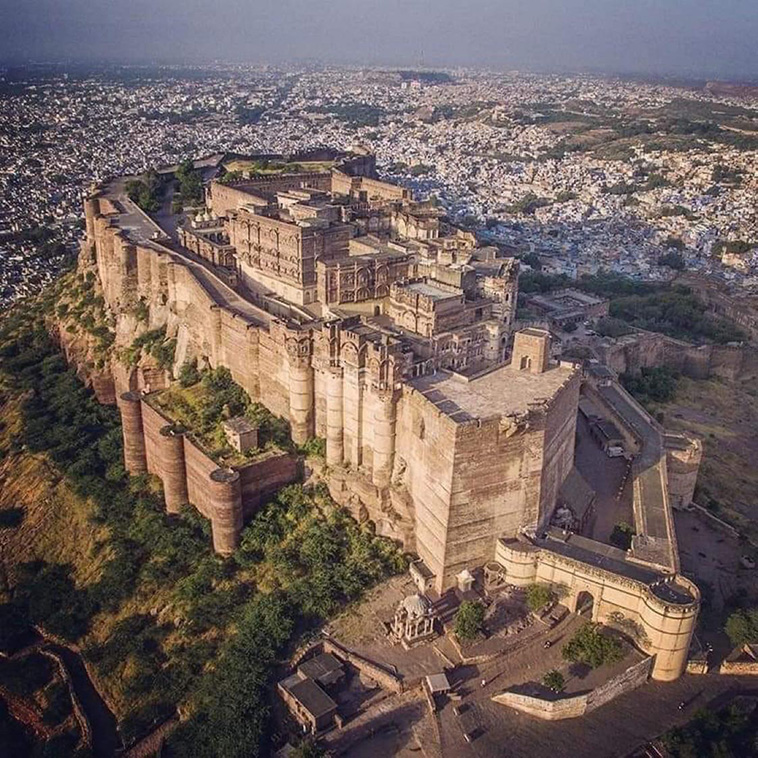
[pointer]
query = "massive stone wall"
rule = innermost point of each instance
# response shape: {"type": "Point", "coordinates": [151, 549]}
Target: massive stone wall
{"type": "Point", "coordinates": [473, 482]}
{"type": "Point", "coordinates": [444, 488]}
{"type": "Point", "coordinates": [189, 476]}
{"type": "Point", "coordinates": [647, 350]}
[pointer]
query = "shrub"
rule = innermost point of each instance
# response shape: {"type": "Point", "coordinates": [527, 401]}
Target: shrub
{"type": "Point", "coordinates": [468, 620]}
{"type": "Point", "coordinates": [742, 627]}
{"type": "Point", "coordinates": [538, 596]}
{"type": "Point", "coordinates": [554, 680]}
{"type": "Point", "coordinates": [590, 646]}
{"type": "Point", "coordinates": [188, 373]}
{"type": "Point", "coordinates": [315, 447]}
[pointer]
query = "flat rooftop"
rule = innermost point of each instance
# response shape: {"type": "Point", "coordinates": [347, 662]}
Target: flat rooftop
{"type": "Point", "coordinates": [505, 391]}
{"type": "Point", "coordinates": [430, 290]}
{"type": "Point", "coordinates": [309, 695]}
{"type": "Point", "coordinates": [137, 226]}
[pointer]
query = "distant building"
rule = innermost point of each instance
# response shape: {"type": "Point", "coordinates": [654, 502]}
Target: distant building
{"type": "Point", "coordinates": [568, 306]}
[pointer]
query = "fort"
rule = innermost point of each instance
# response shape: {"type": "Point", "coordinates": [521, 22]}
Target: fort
{"type": "Point", "coordinates": [366, 319]}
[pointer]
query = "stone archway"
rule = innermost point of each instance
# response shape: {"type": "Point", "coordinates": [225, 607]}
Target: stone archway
{"type": "Point", "coordinates": [585, 604]}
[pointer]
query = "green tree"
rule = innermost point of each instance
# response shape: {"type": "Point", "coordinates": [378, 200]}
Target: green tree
{"type": "Point", "coordinates": [538, 596]}
{"type": "Point", "coordinates": [590, 646]}
{"type": "Point", "coordinates": [468, 620]}
{"type": "Point", "coordinates": [554, 680]}
{"type": "Point", "coordinates": [742, 627]}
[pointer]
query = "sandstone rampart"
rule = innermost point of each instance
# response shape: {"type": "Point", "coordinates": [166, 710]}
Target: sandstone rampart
{"type": "Point", "coordinates": [190, 476]}
{"type": "Point", "coordinates": [644, 349]}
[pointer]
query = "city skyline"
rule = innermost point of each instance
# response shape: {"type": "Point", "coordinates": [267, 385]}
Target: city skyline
{"type": "Point", "coordinates": [690, 38]}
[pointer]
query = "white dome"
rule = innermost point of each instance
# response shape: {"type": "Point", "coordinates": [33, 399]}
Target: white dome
{"type": "Point", "coordinates": [416, 605]}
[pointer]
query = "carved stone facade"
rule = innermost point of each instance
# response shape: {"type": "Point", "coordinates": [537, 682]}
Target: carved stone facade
{"type": "Point", "coordinates": [282, 255]}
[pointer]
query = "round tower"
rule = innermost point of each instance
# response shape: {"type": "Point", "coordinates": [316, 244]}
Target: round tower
{"type": "Point", "coordinates": [384, 438]}
{"type": "Point", "coordinates": [668, 614]}
{"type": "Point", "coordinates": [173, 471]}
{"type": "Point", "coordinates": [226, 509]}
{"type": "Point", "coordinates": [130, 406]}
{"type": "Point", "coordinates": [334, 421]}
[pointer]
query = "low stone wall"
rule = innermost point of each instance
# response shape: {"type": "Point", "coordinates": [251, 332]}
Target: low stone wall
{"type": "Point", "coordinates": [739, 668]}
{"type": "Point", "coordinates": [79, 714]}
{"type": "Point", "coordinates": [385, 678]}
{"type": "Point", "coordinates": [697, 666]}
{"type": "Point", "coordinates": [549, 710]}
{"type": "Point", "coordinates": [578, 705]}
{"type": "Point", "coordinates": [626, 681]}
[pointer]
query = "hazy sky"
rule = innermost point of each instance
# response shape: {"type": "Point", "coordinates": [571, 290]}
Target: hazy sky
{"type": "Point", "coordinates": [698, 37]}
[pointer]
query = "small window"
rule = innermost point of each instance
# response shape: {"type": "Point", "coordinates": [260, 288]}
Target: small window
{"type": "Point", "coordinates": [526, 362]}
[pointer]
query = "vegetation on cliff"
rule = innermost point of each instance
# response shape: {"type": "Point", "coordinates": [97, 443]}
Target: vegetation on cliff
{"type": "Point", "coordinates": [81, 310]}
{"type": "Point", "coordinates": [202, 400]}
{"type": "Point", "coordinates": [161, 619]}
{"type": "Point", "coordinates": [153, 342]}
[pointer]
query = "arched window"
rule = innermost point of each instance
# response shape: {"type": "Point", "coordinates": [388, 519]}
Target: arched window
{"type": "Point", "coordinates": [526, 362]}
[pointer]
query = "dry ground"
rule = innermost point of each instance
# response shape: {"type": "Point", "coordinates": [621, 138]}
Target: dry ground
{"type": "Point", "coordinates": [725, 416]}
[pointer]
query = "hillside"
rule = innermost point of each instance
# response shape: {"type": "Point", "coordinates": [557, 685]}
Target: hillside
{"type": "Point", "coordinates": [90, 556]}
{"type": "Point", "coordinates": [725, 415]}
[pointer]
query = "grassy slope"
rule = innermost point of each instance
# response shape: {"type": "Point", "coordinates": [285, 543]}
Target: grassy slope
{"type": "Point", "coordinates": [725, 416]}
{"type": "Point", "coordinates": [158, 613]}
{"type": "Point", "coordinates": [56, 526]}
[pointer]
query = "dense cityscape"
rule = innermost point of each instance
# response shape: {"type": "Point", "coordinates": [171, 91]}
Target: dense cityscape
{"type": "Point", "coordinates": [359, 410]}
{"type": "Point", "coordinates": [586, 172]}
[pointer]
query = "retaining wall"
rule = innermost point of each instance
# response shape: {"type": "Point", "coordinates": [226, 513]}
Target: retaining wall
{"type": "Point", "coordinates": [578, 705]}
